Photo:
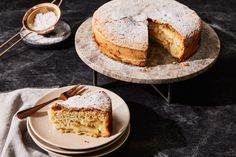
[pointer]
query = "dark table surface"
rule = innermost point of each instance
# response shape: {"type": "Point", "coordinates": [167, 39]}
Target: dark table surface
{"type": "Point", "coordinates": [200, 123]}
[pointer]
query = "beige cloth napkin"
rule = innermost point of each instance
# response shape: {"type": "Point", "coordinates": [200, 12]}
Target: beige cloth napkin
{"type": "Point", "coordinates": [14, 138]}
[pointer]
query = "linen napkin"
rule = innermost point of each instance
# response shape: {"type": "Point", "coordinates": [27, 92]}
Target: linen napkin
{"type": "Point", "coordinates": [14, 138]}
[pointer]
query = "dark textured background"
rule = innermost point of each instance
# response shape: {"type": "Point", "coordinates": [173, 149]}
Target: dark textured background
{"type": "Point", "coordinates": [200, 123]}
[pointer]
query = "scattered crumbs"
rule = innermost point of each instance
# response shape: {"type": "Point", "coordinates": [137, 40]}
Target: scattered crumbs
{"type": "Point", "coordinates": [184, 64]}
{"type": "Point", "coordinates": [86, 141]}
{"type": "Point", "coordinates": [146, 68]}
{"type": "Point", "coordinates": [174, 63]}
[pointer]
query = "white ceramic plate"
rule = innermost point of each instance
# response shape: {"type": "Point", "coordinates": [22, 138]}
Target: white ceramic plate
{"type": "Point", "coordinates": [50, 147]}
{"type": "Point", "coordinates": [102, 152]}
{"type": "Point", "coordinates": [61, 33]}
{"type": "Point", "coordinates": [42, 127]}
{"type": "Point", "coordinates": [63, 152]}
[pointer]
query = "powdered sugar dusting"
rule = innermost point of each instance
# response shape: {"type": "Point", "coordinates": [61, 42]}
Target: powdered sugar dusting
{"type": "Point", "coordinates": [97, 100]}
{"type": "Point", "coordinates": [124, 22]}
{"type": "Point", "coordinates": [44, 20]}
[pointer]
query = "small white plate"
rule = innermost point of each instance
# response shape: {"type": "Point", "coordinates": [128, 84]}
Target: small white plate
{"type": "Point", "coordinates": [61, 33]}
{"type": "Point", "coordinates": [105, 149]}
{"type": "Point", "coordinates": [42, 127]}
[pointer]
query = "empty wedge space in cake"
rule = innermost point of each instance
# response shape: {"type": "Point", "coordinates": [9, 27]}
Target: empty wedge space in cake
{"type": "Point", "coordinates": [89, 114]}
{"type": "Point", "coordinates": [123, 28]}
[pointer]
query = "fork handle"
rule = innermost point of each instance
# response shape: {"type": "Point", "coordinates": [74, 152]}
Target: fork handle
{"type": "Point", "coordinates": [27, 112]}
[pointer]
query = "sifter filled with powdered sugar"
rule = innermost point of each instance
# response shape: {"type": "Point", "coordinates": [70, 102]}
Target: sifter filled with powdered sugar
{"type": "Point", "coordinates": [41, 19]}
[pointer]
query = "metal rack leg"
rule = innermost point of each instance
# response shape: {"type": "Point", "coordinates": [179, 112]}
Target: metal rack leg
{"type": "Point", "coordinates": [110, 84]}
{"type": "Point", "coordinates": [167, 98]}
{"type": "Point", "coordinates": [95, 78]}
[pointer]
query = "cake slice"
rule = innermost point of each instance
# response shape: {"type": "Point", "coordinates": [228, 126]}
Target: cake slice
{"type": "Point", "coordinates": [89, 114]}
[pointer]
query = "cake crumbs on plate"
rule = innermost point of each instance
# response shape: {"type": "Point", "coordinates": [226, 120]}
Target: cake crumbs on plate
{"type": "Point", "coordinates": [184, 64]}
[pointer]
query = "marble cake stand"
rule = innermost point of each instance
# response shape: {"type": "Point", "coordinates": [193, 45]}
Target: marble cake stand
{"type": "Point", "coordinates": [161, 68]}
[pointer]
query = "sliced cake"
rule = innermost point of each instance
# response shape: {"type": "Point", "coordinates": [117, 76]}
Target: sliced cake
{"type": "Point", "coordinates": [122, 29]}
{"type": "Point", "coordinates": [89, 114]}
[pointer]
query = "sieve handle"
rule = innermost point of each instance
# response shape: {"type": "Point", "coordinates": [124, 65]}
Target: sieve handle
{"type": "Point", "coordinates": [58, 3]}
{"type": "Point", "coordinates": [10, 39]}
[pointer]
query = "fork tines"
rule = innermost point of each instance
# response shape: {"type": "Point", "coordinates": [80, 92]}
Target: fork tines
{"type": "Point", "coordinates": [77, 90]}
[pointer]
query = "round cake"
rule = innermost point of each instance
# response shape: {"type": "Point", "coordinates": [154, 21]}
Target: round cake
{"type": "Point", "coordinates": [122, 29]}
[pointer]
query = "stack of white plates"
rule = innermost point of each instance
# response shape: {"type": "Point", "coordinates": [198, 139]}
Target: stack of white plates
{"type": "Point", "coordinates": [69, 144]}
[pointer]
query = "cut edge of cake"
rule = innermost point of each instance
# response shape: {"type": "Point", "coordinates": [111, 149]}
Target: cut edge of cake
{"type": "Point", "coordinates": [180, 48]}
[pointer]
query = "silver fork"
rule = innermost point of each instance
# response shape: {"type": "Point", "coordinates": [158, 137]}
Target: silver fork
{"type": "Point", "coordinates": [76, 90]}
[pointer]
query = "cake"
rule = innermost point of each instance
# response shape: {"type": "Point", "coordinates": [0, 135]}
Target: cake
{"type": "Point", "coordinates": [122, 29]}
{"type": "Point", "coordinates": [89, 114]}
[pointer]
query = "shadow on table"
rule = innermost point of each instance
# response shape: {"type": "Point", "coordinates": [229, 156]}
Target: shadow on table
{"type": "Point", "coordinates": [206, 95]}
{"type": "Point", "coordinates": [217, 87]}
{"type": "Point", "coordinates": [197, 92]}
{"type": "Point", "coordinates": [150, 133]}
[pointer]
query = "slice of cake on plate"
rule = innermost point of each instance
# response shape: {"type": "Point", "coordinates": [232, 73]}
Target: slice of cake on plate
{"type": "Point", "coordinates": [89, 114]}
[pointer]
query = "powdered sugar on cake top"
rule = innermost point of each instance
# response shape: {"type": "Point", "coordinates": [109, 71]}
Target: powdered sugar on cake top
{"type": "Point", "coordinates": [124, 22]}
{"type": "Point", "coordinates": [92, 100]}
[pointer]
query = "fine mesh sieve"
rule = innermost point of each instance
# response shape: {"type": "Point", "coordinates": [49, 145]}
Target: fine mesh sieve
{"type": "Point", "coordinates": [28, 21]}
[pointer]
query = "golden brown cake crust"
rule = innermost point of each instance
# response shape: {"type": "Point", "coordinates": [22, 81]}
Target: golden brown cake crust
{"type": "Point", "coordinates": [191, 44]}
{"type": "Point", "coordinates": [126, 55]}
